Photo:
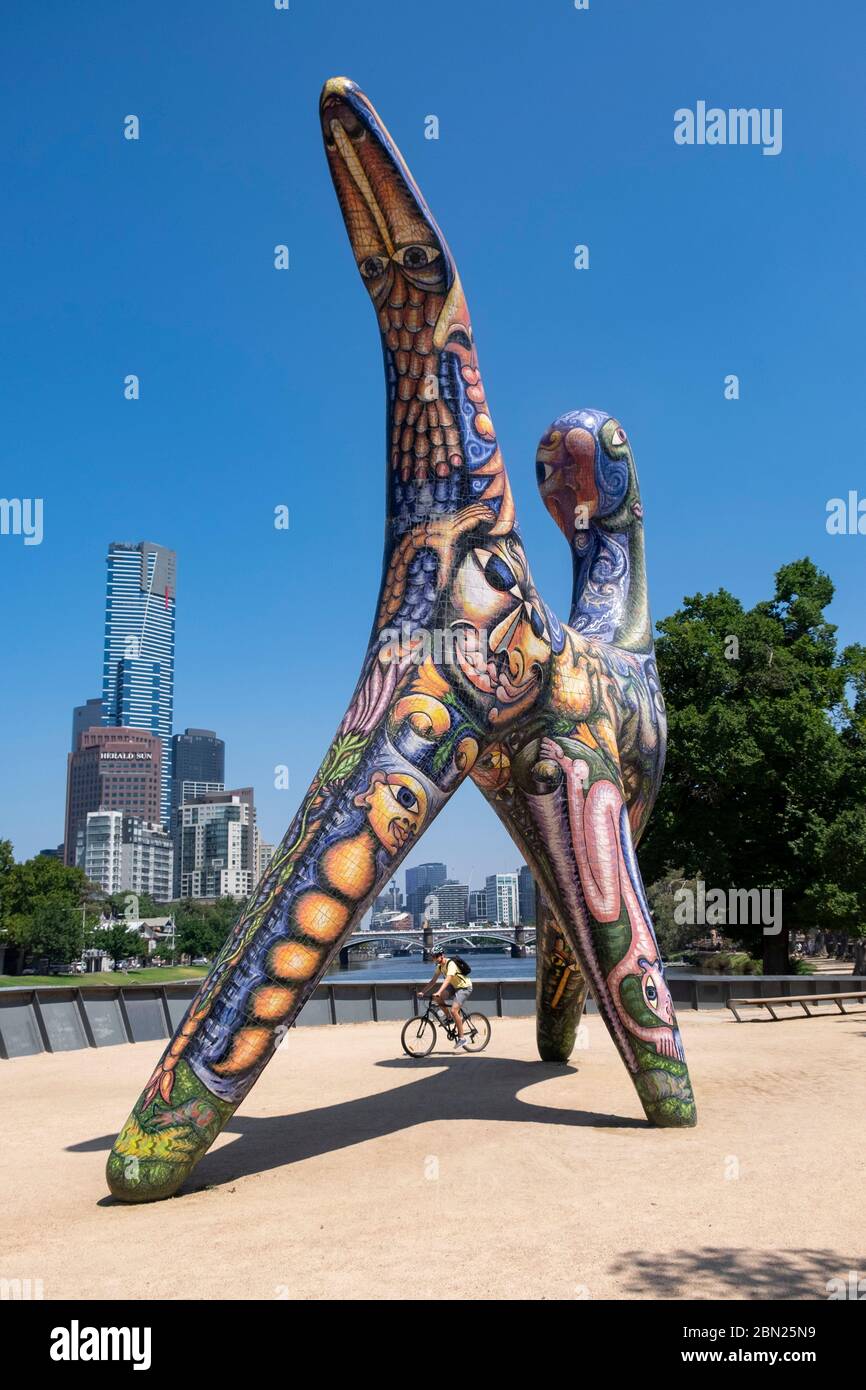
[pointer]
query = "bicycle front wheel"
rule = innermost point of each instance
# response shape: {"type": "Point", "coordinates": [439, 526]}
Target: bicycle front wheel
{"type": "Point", "coordinates": [476, 1031]}
{"type": "Point", "coordinates": [418, 1036]}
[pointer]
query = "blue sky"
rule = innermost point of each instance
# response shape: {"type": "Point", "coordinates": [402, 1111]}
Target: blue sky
{"type": "Point", "coordinates": [261, 388]}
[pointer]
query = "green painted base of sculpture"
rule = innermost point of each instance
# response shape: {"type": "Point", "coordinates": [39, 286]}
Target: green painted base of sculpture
{"type": "Point", "coordinates": [666, 1093]}
{"type": "Point", "coordinates": [161, 1142]}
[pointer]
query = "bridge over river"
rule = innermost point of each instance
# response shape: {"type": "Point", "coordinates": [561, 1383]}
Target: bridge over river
{"type": "Point", "coordinates": [430, 939]}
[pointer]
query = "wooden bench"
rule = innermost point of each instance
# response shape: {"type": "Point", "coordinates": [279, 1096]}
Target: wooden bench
{"type": "Point", "coordinates": [804, 999]}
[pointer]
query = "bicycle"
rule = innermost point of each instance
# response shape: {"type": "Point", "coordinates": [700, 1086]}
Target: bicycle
{"type": "Point", "coordinates": [419, 1033]}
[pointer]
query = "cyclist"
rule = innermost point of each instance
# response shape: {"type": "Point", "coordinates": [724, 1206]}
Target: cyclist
{"type": "Point", "coordinates": [454, 990]}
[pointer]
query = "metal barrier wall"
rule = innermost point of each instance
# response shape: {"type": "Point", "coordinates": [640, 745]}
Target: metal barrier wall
{"type": "Point", "coordinates": [63, 1018]}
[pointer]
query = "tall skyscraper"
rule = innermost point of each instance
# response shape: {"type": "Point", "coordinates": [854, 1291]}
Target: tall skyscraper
{"type": "Point", "coordinates": [502, 899]}
{"type": "Point", "coordinates": [526, 894]}
{"type": "Point", "coordinates": [85, 717]}
{"type": "Point", "coordinates": [420, 881]}
{"type": "Point", "coordinates": [112, 770]}
{"type": "Point", "coordinates": [197, 756]}
{"type": "Point", "coordinates": [138, 655]}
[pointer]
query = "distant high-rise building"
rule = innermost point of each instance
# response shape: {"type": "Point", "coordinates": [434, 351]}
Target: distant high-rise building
{"type": "Point", "coordinates": [85, 717]}
{"type": "Point", "coordinates": [478, 905]}
{"type": "Point", "coordinates": [421, 880]}
{"type": "Point", "coordinates": [502, 899]}
{"type": "Point", "coordinates": [112, 770]}
{"type": "Point", "coordinates": [264, 857]}
{"type": "Point", "coordinates": [452, 901]}
{"type": "Point", "coordinates": [182, 792]}
{"type": "Point", "coordinates": [526, 894]}
{"type": "Point", "coordinates": [218, 845]}
{"type": "Point", "coordinates": [197, 756]}
{"type": "Point", "coordinates": [138, 656]}
{"type": "Point", "coordinates": [124, 854]}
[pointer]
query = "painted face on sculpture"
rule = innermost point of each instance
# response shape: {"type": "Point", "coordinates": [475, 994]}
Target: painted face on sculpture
{"type": "Point", "coordinates": [502, 642]}
{"type": "Point", "coordinates": [656, 994]}
{"type": "Point", "coordinates": [584, 471]}
{"type": "Point", "coordinates": [391, 238]}
{"type": "Point", "coordinates": [396, 808]}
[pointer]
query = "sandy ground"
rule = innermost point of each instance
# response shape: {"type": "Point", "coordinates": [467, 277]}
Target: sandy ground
{"type": "Point", "coordinates": [353, 1172]}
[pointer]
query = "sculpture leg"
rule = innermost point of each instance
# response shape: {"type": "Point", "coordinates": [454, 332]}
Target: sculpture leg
{"type": "Point", "coordinates": [395, 762]}
{"type": "Point", "coordinates": [562, 801]}
{"type": "Point", "coordinates": [560, 987]}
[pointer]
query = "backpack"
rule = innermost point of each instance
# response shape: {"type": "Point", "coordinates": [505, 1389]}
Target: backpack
{"type": "Point", "coordinates": [462, 966]}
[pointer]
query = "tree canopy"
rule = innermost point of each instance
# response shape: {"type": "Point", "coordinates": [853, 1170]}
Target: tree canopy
{"type": "Point", "coordinates": [766, 769]}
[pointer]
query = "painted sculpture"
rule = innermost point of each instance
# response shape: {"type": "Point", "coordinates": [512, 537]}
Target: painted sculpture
{"type": "Point", "coordinates": [468, 674]}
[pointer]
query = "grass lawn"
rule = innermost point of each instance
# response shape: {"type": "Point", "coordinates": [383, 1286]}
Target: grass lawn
{"type": "Point", "coordinates": [164, 975]}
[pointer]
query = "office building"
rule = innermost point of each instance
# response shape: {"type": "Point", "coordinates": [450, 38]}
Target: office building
{"type": "Point", "coordinates": [478, 905]}
{"type": "Point", "coordinates": [112, 770]}
{"type": "Point", "coordinates": [263, 858]}
{"type": "Point", "coordinates": [186, 792]}
{"type": "Point", "coordinates": [502, 899]}
{"type": "Point", "coordinates": [123, 854]}
{"type": "Point", "coordinates": [138, 654]}
{"type": "Point", "coordinates": [526, 895]}
{"type": "Point", "coordinates": [218, 843]}
{"type": "Point", "coordinates": [452, 901]}
{"type": "Point", "coordinates": [85, 716]}
{"type": "Point", "coordinates": [420, 882]}
{"type": "Point", "coordinates": [198, 758]}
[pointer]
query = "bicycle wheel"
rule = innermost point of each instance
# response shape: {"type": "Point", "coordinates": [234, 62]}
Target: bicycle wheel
{"type": "Point", "coordinates": [476, 1031]}
{"type": "Point", "coordinates": [418, 1036]}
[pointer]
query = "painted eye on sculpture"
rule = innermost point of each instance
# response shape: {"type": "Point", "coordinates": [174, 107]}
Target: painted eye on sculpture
{"type": "Point", "coordinates": [543, 471]}
{"type": "Point", "coordinates": [496, 572]}
{"type": "Point", "coordinates": [371, 267]}
{"type": "Point", "coordinates": [536, 622]}
{"type": "Point", "coordinates": [407, 799]}
{"type": "Point", "coordinates": [652, 994]}
{"type": "Point", "coordinates": [619, 436]}
{"type": "Point", "coordinates": [415, 257]}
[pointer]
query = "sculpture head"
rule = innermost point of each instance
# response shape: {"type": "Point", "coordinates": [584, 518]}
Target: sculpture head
{"type": "Point", "coordinates": [586, 474]}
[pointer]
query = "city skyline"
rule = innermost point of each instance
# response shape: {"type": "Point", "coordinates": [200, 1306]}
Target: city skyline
{"type": "Point", "coordinates": [236, 414]}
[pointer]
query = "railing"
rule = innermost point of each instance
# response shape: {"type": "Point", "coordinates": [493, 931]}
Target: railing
{"type": "Point", "coordinates": [63, 1018]}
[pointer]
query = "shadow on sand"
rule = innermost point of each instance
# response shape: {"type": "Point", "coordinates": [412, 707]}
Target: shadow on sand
{"type": "Point", "coordinates": [439, 1087]}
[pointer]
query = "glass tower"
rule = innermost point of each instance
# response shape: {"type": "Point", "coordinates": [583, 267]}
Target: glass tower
{"type": "Point", "coordinates": [138, 655]}
{"type": "Point", "coordinates": [421, 880]}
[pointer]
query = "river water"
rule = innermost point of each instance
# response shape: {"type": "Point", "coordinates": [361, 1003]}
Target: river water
{"type": "Point", "coordinates": [486, 965]}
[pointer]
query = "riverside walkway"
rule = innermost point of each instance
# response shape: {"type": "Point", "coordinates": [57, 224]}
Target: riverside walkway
{"type": "Point", "coordinates": [342, 1174]}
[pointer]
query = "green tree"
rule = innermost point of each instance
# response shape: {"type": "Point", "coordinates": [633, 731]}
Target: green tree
{"type": "Point", "coordinates": [40, 904]}
{"type": "Point", "coordinates": [54, 929]}
{"type": "Point", "coordinates": [202, 927]}
{"type": "Point", "coordinates": [766, 746]}
{"type": "Point", "coordinates": [117, 941]}
{"type": "Point", "coordinates": [672, 936]}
